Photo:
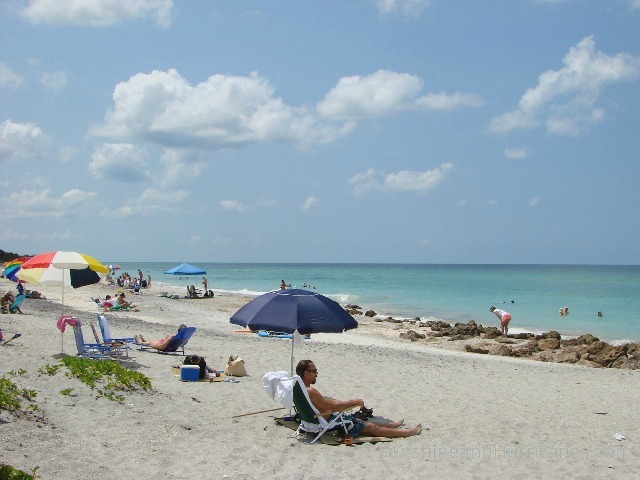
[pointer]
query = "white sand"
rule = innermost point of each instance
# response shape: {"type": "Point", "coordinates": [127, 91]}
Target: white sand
{"type": "Point", "coordinates": [488, 417]}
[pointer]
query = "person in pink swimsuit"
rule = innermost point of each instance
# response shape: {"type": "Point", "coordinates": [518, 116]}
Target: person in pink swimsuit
{"type": "Point", "coordinates": [505, 318]}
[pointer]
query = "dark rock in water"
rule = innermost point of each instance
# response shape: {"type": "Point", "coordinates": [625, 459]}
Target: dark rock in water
{"type": "Point", "coordinates": [354, 307]}
{"type": "Point", "coordinates": [370, 313]}
{"type": "Point", "coordinates": [392, 320]}
{"type": "Point", "coordinates": [412, 335]}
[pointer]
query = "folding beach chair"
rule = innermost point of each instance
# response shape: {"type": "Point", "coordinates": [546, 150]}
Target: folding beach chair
{"type": "Point", "coordinates": [13, 308]}
{"type": "Point", "coordinates": [177, 343]}
{"type": "Point", "coordinates": [106, 332]}
{"type": "Point", "coordinates": [94, 350]}
{"type": "Point", "coordinates": [311, 420]}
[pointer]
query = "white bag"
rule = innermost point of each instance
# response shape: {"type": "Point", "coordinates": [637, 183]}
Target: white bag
{"type": "Point", "coordinates": [235, 367]}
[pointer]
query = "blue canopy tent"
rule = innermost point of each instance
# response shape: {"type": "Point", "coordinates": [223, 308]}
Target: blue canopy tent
{"type": "Point", "coordinates": [185, 269]}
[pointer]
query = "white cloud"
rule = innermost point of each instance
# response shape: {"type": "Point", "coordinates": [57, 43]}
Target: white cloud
{"type": "Point", "coordinates": [8, 78]}
{"type": "Point", "coordinates": [564, 100]}
{"type": "Point", "coordinates": [21, 141]}
{"type": "Point", "coordinates": [233, 205]}
{"type": "Point", "coordinates": [55, 82]}
{"type": "Point", "coordinates": [533, 202]}
{"type": "Point", "coordinates": [384, 93]}
{"type": "Point", "coordinates": [237, 206]}
{"type": "Point", "coordinates": [42, 203]}
{"type": "Point", "coordinates": [403, 181]}
{"type": "Point", "coordinates": [634, 4]}
{"type": "Point", "coordinates": [412, 8]}
{"type": "Point", "coordinates": [97, 13]}
{"type": "Point", "coordinates": [149, 202]}
{"type": "Point", "coordinates": [516, 153]}
{"type": "Point", "coordinates": [444, 101]}
{"type": "Point", "coordinates": [119, 161]}
{"type": "Point", "coordinates": [309, 202]}
{"type": "Point", "coordinates": [224, 111]}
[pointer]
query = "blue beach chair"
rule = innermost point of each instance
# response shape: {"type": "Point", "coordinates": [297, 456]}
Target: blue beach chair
{"type": "Point", "coordinates": [13, 308]}
{"type": "Point", "coordinates": [176, 345]}
{"type": "Point", "coordinates": [94, 350]}
{"type": "Point", "coordinates": [106, 332]}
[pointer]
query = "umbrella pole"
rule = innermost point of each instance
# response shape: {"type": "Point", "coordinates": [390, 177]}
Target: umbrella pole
{"type": "Point", "coordinates": [62, 333]}
{"type": "Point", "coordinates": [292, 344]}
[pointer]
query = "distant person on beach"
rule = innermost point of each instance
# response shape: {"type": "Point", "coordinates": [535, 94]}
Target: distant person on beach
{"type": "Point", "coordinates": [157, 344]}
{"type": "Point", "coordinates": [7, 300]}
{"type": "Point", "coordinates": [205, 285]}
{"type": "Point", "coordinates": [505, 318]}
{"type": "Point", "coordinates": [283, 285]}
{"type": "Point", "coordinates": [308, 372]}
{"type": "Point", "coordinates": [121, 302]}
{"type": "Point", "coordinates": [148, 280]}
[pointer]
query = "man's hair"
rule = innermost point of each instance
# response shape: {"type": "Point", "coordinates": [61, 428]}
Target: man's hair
{"type": "Point", "coordinates": [302, 367]}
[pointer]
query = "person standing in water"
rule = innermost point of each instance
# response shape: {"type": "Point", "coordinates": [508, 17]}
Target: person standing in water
{"type": "Point", "coordinates": [505, 318]}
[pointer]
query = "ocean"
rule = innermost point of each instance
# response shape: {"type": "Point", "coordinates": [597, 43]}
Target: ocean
{"type": "Point", "coordinates": [533, 294]}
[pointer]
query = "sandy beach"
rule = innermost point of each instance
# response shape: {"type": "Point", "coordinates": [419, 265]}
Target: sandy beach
{"type": "Point", "coordinates": [487, 416]}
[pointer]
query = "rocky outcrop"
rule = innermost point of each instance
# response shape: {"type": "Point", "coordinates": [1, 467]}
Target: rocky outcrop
{"type": "Point", "coordinates": [546, 347]}
{"type": "Point", "coordinates": [412, 335]}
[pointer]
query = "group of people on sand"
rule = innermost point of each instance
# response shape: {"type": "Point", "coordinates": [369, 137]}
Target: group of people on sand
{"type": "Point", "coordinates": [115, 303]}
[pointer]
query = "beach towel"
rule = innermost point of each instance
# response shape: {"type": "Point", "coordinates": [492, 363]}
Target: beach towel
{"type": "Point", "coordinates": [65, 320]}
{"type": "Point", "coordinates": [279, 387]}
{"type": "Point", "coordinates": [332, 437]}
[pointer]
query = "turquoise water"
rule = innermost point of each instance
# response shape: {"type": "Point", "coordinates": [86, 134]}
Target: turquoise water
{"type": "Point", "coordinates": [454, 293]}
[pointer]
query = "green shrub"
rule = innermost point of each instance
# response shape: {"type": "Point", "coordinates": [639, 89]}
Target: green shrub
{"type": "Point", "coordinates": [7, 472]}
{"type": "Point", "coordinates": [115, 376]}
{"type": "Point", "coordinates": [11, 396]}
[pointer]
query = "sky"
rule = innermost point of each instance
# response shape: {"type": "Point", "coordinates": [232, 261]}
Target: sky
{"type": "Point", "coordinates": [390, 131]}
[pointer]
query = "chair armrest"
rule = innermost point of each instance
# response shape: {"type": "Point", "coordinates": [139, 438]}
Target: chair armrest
{"type": "Point", "coordinates": [322, 414]}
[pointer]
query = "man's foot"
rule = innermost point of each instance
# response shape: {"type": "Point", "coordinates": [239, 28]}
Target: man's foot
{"type": "Point", "coordinates": [417, 429]}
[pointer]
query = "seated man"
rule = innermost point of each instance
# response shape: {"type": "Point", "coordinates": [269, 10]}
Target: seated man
{"type": "Point", "coordinates": [157, 344]}
{"type": "Point", "coordinates": [6, 301]}
{"type": "Point", "coordinates": [308, 372]}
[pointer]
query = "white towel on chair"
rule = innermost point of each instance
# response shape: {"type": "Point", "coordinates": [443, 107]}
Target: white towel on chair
{"type": "Point", "coordinates": [279, 386]}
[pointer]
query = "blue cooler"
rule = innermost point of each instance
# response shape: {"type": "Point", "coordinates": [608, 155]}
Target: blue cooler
{"type": "Point", "coordinates": [189, 373]}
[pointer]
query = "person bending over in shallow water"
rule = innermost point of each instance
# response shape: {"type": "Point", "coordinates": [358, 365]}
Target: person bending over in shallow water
{"type": "Point", "coordinates": [157, 344]}
{"type": "Point", "coordinates": [308, 372]}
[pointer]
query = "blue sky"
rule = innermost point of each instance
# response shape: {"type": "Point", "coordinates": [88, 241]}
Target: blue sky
{"type": "Point", "coordinates": [409, 131]}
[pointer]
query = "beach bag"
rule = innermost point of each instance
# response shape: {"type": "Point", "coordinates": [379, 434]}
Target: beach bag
{"type": "Point", "coordinates": [197, 360]}
{"type": "Point", "coordinates": [235, 367]}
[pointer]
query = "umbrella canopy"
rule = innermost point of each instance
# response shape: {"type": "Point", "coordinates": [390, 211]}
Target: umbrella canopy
{"type": "Point", "coordinates": [12, 268]}
{"type": "Point", "coordinates": [52, 276]}
{"type": "Point", "coordinates": [292, 310]}
{"type": "Point", "coordinates": [62, 268]}
{"type": "Point", "coordinates": [185, 269]}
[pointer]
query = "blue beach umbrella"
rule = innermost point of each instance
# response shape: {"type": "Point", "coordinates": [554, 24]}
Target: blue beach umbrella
{"type": "Point", "coordinates": [185, 269]}
{"type": "Point", "coordinates": [292, 310]}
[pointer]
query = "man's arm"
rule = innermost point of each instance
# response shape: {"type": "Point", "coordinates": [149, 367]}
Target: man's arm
{"type": "Point", "coordinates": [324, 404]}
